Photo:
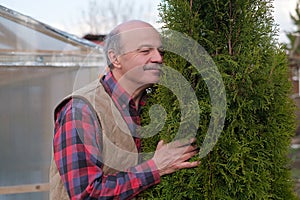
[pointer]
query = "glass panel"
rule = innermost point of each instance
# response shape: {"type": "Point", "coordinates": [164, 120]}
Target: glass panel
{"type": "Point", "coordinates": [25, 41]}
{"type": "Point", "coordinates": [26, 121]}
{"type": "Point", "coordinates": [17, 37]}
{"type": "Point", "coordinates": [37, 69]}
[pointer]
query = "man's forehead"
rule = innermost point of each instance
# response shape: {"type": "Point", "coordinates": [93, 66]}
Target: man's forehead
{"type": "Point", "coordinates": [140, 37]}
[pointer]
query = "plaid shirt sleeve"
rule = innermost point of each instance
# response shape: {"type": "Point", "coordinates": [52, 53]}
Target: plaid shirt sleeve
{"type": "Point", "coordinates": [79, 164]}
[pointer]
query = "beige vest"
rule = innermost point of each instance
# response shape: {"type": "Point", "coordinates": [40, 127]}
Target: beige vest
{"type": "Point", "coordinates": [119, 149]}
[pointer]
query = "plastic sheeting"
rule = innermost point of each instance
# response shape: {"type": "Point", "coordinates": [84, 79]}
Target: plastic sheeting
{"type": "Point", "coordinates": [25, 41]}
{"type": "Point", "coordinates": [39, 65]}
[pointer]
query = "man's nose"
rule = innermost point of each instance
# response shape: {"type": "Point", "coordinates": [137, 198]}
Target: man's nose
{"type": "Point", "coordinates": [156, 56]}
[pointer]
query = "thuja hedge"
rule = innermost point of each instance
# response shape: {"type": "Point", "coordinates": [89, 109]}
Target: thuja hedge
{"type": "Point", "coordinates": [250, 158]}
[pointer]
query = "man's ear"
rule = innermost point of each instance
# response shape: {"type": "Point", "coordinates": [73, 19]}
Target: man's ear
{"type": "Point", "coordinates": [113, 58]}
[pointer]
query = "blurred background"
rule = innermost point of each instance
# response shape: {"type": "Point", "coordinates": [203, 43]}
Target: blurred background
{"type": "Point", "coordinates": [50, 48]}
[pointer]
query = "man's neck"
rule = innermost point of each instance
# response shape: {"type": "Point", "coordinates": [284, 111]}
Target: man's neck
{"type": "Point", "coordinates": [135, 90]}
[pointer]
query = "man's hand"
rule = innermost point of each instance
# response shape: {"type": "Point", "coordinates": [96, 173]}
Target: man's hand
{"type": "Point", "coordinates": [174, 156]}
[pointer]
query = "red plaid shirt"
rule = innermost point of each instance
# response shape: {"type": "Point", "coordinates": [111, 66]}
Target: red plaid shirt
{"type": "Point", "coordinates": [77, 162]}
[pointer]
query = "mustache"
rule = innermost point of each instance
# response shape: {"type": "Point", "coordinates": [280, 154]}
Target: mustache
{"type": "Point", "coordinates": [152, 67]}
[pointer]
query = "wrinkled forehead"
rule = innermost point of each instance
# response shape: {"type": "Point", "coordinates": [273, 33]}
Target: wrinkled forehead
{"type": "Point", "coordinates": [136, 38]}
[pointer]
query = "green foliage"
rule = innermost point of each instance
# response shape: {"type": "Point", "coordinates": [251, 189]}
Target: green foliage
{"type": "Point", "coordinates": [250, 159]}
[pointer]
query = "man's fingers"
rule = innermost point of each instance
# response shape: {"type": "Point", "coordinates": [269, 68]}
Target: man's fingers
{"type": "Point", "coordinates": [175, 155]}
{"type": "Point", "coordinates": [188, 164]}
{"type": "Point", "coordinates": [190, 148]}
{"type": "Point", "coordinates": [192, 140]}
{"type": "Point", "coordinates": [183, 142]}
{"type": "Point", "coordinates": [188, 155]}
{"type": "Point", "coordinates": [160, 145]}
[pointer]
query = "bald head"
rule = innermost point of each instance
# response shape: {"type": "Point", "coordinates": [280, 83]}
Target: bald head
{"type": "Point", "coordinates": [125, 34]}
{"type": "Point", "coordinates": [131, 25]}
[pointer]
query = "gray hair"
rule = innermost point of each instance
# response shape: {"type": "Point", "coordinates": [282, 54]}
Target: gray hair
{"type": "Point", "coordinates": [112, 42]}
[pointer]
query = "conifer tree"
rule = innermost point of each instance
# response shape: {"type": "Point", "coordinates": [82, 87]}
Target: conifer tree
{"type": "Point", "coordinates": [250, 159]}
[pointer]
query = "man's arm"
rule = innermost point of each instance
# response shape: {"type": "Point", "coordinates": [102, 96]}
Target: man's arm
{"type": "Point", "coordinates": [78, 157]}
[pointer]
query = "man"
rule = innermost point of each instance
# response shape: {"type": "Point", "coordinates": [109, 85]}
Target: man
{"type": "Point", "coordinates": [96, 142]}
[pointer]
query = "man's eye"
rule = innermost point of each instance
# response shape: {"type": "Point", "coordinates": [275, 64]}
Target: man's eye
{"type": "Point", "coordinates": [145, 50]}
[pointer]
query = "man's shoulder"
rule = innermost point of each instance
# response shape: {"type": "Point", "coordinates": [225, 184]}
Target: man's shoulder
{"type": "Point", "coordinates": [90, 87]}
{"type": "Point", "coordinates": [74, 104]}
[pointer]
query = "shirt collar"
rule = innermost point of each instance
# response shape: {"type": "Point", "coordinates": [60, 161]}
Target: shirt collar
{"type": "Point", "coordinates": [118, 93]}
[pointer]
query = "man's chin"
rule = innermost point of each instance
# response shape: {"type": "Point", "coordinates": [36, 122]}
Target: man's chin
{"type": "Point", "coordinates": [154, 73]}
